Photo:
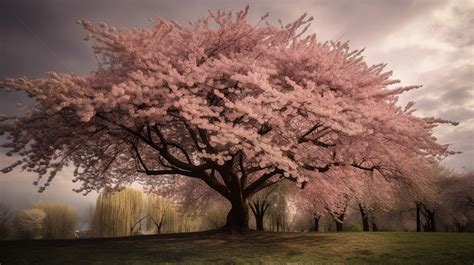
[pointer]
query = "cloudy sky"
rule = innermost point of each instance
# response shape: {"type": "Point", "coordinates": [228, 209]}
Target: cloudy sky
{"type": "Point", "coordinates": [424, 42]}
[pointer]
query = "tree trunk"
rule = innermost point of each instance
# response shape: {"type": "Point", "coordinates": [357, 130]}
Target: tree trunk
{"type": "Point", "coordinates": [375, 228]}
{"type": "Point", "coordinates": [365, 217]}
{"type": "Point", "coordinates": [316, 223]}
{"type": "Point", "coordinates": [433, 223]}
{"type": "Point", "coordinates": [429, 224]}
{"type": "Point", "coordinates": [373, 223]}
{"type": "Point", "coordinates": [238, 217]}
{"type": "Point", "coordinates": [339, 222]}
{"type": "Point", "coordinates": [430, 220]}
{"type": "Point", "coordinates": [259, 208]}
{"type": "Point", "coordinates": [418, 217]}
{"type": "Point", "coordinates": [259, 222]}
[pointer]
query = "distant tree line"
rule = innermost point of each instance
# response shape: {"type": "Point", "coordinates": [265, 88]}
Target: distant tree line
{"type": "Point", "coordinates": [450, 208]}
{"type": "Point", "coordinates": [43, 220]}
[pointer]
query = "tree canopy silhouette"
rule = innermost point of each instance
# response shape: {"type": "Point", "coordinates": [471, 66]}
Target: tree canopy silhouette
{"type": "Point", "coordinates": [238, 106]}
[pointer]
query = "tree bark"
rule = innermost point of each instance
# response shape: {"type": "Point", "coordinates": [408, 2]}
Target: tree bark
{"type": "Point", "coordinates": [418, 217]}
{"type": "Point", "coordinates": [237, 220]}
{"type": "Point", "coordinates": [430, 220]}
{"type": "Point", "coordinates": [373, 223]}
{"type": "Point", "coordinates": [259, 208]}
{"type": "Point", "coordinates": [316, 222]}
{"type": "Point", "coordinates": [259, 222]}
{"type": "Point", "coordinates": [429, 224]}
{"type": "Point", "coordinates": [375, 228]}
{"type": "Point", "coordinates": [339, 222]}
{"type": "Point", "coordinates": [365, 217]}
{"type": "Point", "coordinates": [433, 223]}
{"type": "Point", "coordinates": [338, 217]}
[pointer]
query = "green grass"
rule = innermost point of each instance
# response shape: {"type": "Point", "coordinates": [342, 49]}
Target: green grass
{"type": "Point", "coordinates": [252, 247]}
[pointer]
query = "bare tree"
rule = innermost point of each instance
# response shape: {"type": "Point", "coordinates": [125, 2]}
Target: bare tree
{"type": "Point", "coordinates": [260, 204]}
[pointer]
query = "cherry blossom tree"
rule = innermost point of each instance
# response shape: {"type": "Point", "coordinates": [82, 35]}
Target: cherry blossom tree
{"type": "Point", "coordinates": [334, 191]}
{"type": "Point", "coordinates": [329, 194]}
{"type": "Point", "coordinates": [457, 199]}
{"type": "Point", "coordinates": [235, 105]}
{"type": "Point", "coordinates": [450, 204]}
{"type": "Point", "coordinates": [374, 194]}
{"type": "Point", "coordinates": [308, 203]}
{"type": "Point", "coordinates": [279, 214]}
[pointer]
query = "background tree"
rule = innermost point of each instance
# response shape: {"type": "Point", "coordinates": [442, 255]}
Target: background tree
{"type": "Point", "coordinates": [215, 216]}
{"type": "Point", "coordinates": [456, 205]}
{"type": "Point", "coordinates": [118, 214]}
{"type": "Point", "coordinates": [339, 212]}
{"type": "Point", "coordinates": [29, 223]}
{"type": "Point", "coordinates": [436, 197]}
{"type": "Point", "coordinates": [46, 220]}
{"type": "Point", "coordinates": [5, 226]}
{"type": "Point", "coordinates": [330, 194]}
{"type": "Point", "coordinates": [188, 222]}
{"type": "Point", "coordinates": [374, 194]}
{"type": "Point", "coordinates": [279, 211]}
{"type": "Point", "coordinates": [59, 222]}
{"type": "Point", "coordinates": [260, 204]}
{"type": "Point", "coordinates": [428, 200]}
{"type": "Point", "coordinates": [161, 214]}
{"type": "Point", "coordinates": [307, 202]}
{"type": "Point", "coordinates": [238, 106]}
{"type": "Point", "coordinates": [457, 199]}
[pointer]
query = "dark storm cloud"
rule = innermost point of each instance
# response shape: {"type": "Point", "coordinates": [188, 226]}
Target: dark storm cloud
{"type": "Point", "coordinates": [39, 36]}
{"type": "Point", "coordinates": [447, 93]}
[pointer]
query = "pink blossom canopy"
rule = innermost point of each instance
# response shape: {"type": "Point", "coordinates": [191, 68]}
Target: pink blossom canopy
{"type": "Point", "coordinates": [239, 106]}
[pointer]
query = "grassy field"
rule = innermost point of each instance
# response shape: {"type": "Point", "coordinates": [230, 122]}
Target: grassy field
{"type": "Point", "coordinates": [253, 247]}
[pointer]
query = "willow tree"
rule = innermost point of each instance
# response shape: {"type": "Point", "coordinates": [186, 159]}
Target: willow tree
{"type": "Point", "coordinates": [59, 222]}
{"type": "Point", "coordinates": [162, 215]}
{"type": "Point", "coordinates": [236, 105]}
{"type": "Point", "coordinates": [29, 223]}
{"type": "Point", "coordinates": [47, 220]}
{"type": "Point", "coordinates": [118, 214]}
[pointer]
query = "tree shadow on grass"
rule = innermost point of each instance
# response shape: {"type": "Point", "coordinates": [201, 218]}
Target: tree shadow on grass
{"type": "Point", "coordinates": [253, 246]}
{"type": "Point", "coordinates": [209, 246]}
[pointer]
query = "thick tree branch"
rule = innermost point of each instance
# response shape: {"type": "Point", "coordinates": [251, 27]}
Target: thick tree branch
{"type": "Point", "coordinates": [254, 186]}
